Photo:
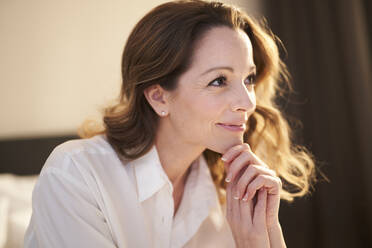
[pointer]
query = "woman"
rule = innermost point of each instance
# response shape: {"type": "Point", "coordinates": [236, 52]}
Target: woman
{"type": "Point", "coordinates": [194, 153]}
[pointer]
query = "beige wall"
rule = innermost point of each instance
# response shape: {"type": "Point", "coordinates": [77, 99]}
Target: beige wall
{"type": "Point", "coordinates": [60, 61]}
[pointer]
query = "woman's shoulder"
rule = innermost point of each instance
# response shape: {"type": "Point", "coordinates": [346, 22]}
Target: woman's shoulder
{"type": "Point", "coordinates": [95, 145]}
{"type": "Point", "coordinates": [84, 155]}
{"type": "Point", "coordinates": [89, 164]}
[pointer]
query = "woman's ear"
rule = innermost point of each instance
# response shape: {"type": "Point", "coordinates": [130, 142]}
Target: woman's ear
{"type": "Point", "coordinates": [157, 98]}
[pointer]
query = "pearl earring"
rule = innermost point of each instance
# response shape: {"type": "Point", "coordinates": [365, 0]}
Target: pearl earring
{"type": "Point", "coordinates": [162, 112]}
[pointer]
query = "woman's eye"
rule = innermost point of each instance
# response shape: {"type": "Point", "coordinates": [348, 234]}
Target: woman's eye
{"type": "Point", "coordinates": [218, 82]}
{"type": "Point", "coordinates": [251, 79]}
{"type": "Point", "coordinates": [221, 81]}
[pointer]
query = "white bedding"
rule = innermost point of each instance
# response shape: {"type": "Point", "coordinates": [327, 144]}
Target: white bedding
{"type": "Point", "coordinates": [15, 208]}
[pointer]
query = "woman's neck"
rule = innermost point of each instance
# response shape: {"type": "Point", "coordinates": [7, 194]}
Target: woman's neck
{"type": "Point", "coordinates": [175, 156]}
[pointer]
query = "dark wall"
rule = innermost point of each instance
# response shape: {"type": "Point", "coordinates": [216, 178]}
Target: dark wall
{"type": "Point", "coordinates": [329, 57]}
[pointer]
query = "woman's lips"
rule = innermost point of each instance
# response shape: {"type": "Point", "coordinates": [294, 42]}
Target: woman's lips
{"type": "Point", "coordinates": [231, 127]}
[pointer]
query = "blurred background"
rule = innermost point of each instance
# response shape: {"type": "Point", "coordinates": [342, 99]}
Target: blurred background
{"type": "Point", "coordinates": [60, 63]}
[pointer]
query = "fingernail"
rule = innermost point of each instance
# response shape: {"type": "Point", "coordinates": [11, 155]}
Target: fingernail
{"type": "Point", "coordinates": [223, 159]}
{"type": "Point", "coordinates": [236, 197]}
{"type": "Point", "coordinates": [245, 197]}
{"type": "Point", "coordinates": [228, 178]}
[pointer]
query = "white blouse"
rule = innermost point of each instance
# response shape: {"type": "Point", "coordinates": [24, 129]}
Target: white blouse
{"type": "Point", "coordinates": [86, 196]}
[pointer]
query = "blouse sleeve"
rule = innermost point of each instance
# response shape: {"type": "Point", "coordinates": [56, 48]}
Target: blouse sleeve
{"type": "Point", "coordinates": [64, 211]}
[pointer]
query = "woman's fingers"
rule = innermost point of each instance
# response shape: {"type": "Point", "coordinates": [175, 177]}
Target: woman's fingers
{"type": "Point", "coordinates": [244, 160]}
{"type": "Point", "coordinates": [246, 209]}
{"type": "Point", "coordinates": [228, 202]}
{"type": "Point", "coordinates": [272, 184]}
{"type": "Point", "coordinates": [233, 208]}
{"type": "Point", "coordinates": [250, 218]}
{"type": "Point", "coordinates": [230, 154]}
{"type": "Point", "coordinates": [234, 151]}
{"type": "Point", "coordinates": [259, 216]}
{"type": "Point", "coordinates": [237, 157]}
{"type": "Point", "coordinates": [249, 174]}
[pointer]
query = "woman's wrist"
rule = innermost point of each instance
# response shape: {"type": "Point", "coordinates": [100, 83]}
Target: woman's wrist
{"type": "Point", "coordinates": [276, 236]}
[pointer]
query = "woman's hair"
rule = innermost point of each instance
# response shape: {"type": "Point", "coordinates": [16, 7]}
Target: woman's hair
{"type": "Point", "coordinates": [159, 49]}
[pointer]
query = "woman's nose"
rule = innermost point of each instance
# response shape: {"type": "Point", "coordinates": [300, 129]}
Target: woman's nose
{"type": "Point", "coordinates": [244, 99]}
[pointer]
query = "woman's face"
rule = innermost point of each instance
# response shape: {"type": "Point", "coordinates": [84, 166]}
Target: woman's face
{"type": "Point", "coordinates": [217, 89]}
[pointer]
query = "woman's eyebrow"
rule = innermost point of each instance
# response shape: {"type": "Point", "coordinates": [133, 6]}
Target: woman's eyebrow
{"type": "Point", "coordinates": [251, 69]}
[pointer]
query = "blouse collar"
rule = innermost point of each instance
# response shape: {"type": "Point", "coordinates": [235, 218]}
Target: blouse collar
{"type": "Point", "coordinates": [151, 177]}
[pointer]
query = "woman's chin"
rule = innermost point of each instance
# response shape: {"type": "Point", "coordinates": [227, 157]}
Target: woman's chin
{"type": "Point", "coordinates": [225, 145]}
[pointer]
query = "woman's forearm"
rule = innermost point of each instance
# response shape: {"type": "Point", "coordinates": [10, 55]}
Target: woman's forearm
{"type": "Point", "coordinates": [276, 237]}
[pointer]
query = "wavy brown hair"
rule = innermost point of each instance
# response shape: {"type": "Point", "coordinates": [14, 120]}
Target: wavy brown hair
{"type": "Point", "coordinates": [158, 51]}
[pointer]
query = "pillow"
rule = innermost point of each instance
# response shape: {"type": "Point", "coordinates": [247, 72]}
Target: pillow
{"type": "Point", "coordinates": [15, 208]}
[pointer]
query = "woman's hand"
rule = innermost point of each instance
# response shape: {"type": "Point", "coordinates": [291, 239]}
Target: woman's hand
{"type": "Point", "coordinates": [253, 218]}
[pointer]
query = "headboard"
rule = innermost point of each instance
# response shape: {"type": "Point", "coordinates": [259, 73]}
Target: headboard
{"type": "Point", "coordinates": [27, 156]}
